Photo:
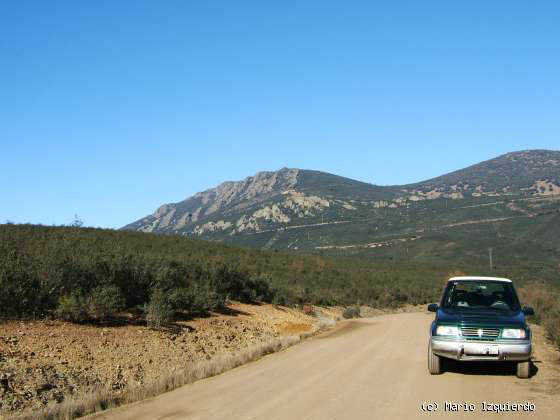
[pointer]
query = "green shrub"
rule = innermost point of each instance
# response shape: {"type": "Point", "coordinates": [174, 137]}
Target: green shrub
{"type": "Point", "coordinates": [21, 293]}
{"type": "Point", "coordinates": [159, 311]}
{"type": "Point", "coordinates": [197, 299]}
{"type": "Point", "coordinates": [207, 299]}
{"type": "Point", "coordinates": [351, 312]}
{"type": "Point", "coordinates": [232, 284]}
{"type": "Point", "coordinates": [182, 299]}
{"type": "Point", "coordinates": [72, 307]}
{"type": "Point", "coordinates": [103, 302]}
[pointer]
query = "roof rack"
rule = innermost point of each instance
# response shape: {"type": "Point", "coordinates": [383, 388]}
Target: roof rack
{"type": "Point", "coordinates": [479, 278]}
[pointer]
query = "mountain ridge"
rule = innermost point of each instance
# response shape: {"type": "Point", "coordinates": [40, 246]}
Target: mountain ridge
{"type": "Point", "coordinates": [282, 196]}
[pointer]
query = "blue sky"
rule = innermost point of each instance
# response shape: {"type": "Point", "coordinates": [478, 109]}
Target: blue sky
{"type": "Point", "coordinates": [109, 109]}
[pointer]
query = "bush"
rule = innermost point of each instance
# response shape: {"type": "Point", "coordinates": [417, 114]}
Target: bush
{"type": "Point", "coordinates": [99, 304]}
{"type": "Point", "coordinates": [206, 299]}
{"type": "Point", "coordinates": [72, 307]}
{"type": "Point", "coordinates": [232, 284]}
{"type": "Point", "coordinates": [197, 299]}
{"type": "Point", "coordinates": [159, 311]}
{"type": "Point", "coordinates": [21, 293]}
{"type": "Point", "coordinates": [103, 302]}
{"type": "Point", "coordinates": [351, 312]}
{"type": "Point", "coordinates": [546, 303]}
{"type": "Point", "coordinates": [182, 299]}
{"type": "Point", "coordinates": [309, 310]}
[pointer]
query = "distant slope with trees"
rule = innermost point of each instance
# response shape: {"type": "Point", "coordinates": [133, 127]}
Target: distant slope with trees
{"type": "Point", "coordinates": [84, 274]}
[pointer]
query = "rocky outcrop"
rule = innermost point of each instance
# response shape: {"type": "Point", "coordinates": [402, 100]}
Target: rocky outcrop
{"type": "Point", "coordinates": [292, 204]}
{"type": "Point", "coordinates": [545, 187]}
{"type": "Point", "coordinates": [212, 226]}
{"type": "Point", "coordinates": [228, 197]}
{"type": "Point", "coordinates": [262, 184]}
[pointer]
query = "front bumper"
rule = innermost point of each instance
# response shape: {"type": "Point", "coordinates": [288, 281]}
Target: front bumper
{"type": "Point", "coordinates": [481, 350]}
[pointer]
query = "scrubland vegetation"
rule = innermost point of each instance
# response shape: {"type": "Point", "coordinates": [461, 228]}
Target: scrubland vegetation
{"type": "Point", "coordinates": [88, 275]}
{"type": "Point", "coordinates": [82, 274]}
{"type": "Point", "coordinates": [546, 302]}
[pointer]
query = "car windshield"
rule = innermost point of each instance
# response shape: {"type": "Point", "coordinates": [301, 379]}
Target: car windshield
{"type": "Point", "coordinates": [480, 295]}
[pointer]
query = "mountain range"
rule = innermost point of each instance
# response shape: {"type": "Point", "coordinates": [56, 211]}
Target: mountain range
{"type": "Point", "coordinates": [318, 212]}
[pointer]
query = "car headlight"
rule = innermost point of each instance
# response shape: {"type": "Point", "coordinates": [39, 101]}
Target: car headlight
{"type": "Point", "coordinates": [513, 333]}
{"type": "Point", "coordinates": [447, 330]}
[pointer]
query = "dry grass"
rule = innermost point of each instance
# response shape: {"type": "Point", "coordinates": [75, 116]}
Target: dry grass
{"type": "Point", "coordinates": [293, 328]}
{"type": "Point", "coordinates": [103, 399]}
{"type": "Point", "coordinates": [546, 302]}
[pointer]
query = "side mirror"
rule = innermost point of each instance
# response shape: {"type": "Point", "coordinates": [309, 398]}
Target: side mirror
{"type": "Point", "coordinates": [432, 307]}
{"type": "Point", "coordinates": [528, 311]}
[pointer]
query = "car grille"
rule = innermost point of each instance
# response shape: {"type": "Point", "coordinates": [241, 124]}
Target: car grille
{"type": "Point", "coordinates": [475, 332]}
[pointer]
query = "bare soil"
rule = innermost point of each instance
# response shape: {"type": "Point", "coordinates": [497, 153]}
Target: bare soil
{"type": "Point", "coordinates": [45, 362]}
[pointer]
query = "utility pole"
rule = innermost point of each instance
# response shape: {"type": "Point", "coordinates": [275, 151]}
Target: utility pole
{"type": "Point", "coordinates": [490, 258]}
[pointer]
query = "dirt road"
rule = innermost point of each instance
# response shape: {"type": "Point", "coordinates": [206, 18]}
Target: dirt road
{"type": "Point", "coordinates": [365, 369]}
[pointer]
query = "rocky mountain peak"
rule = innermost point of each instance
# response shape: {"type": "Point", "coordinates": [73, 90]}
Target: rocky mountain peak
{"type": "Point", "coordinates": [250, 189]}
{"type": "Point", "coordinates": [229, 196]}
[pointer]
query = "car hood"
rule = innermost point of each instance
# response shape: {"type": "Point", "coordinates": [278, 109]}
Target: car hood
{"type": "Point", "coordinates": [480, 317]}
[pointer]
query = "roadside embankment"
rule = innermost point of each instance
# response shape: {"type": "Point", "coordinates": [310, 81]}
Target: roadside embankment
{"type": "Point", "coordinates": [62, 368]}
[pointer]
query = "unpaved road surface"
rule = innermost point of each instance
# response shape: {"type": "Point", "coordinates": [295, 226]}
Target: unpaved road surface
{"type": "Point", "coordinates": [371, 368]}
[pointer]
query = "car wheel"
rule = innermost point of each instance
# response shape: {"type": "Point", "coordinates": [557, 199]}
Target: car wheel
{"type": "Point", "coordinates": [434, 362]}
{"type": "Point", "coordinates": [523, 369]}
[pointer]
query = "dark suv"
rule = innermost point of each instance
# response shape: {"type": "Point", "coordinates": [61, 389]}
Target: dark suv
{"type": "Point", "coordinates": [480, 319]}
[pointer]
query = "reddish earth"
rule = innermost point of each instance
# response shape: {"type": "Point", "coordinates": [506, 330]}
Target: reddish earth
{"type": "Point", "coordinates": [45, 362]}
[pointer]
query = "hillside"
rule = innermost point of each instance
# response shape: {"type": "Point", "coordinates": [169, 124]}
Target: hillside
{"type": "Point", "coordinates": [75, 273]}
{"type": "Point", "coordinates": [503, 203]}
{"type": "Point", "coordinates": [87, 274]}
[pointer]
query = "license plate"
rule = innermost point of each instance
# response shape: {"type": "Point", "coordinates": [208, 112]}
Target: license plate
{"type": "Point", "coordinates": [481, 349]}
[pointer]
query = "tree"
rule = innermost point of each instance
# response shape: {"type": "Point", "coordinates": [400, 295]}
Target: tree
{"type": "Point", "coordinates": [77, 222]}
{"type": "Point", "coordinates": [159, 311]}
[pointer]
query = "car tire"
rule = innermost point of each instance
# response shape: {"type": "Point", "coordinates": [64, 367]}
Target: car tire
{"type": "Point", "coordinates": [434, 362]}
{"type": "Point", "coordinates": [523, 370]}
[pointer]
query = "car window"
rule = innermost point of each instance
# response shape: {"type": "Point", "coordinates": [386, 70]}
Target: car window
{"type": "Point", "coordinates": [480, 295]}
